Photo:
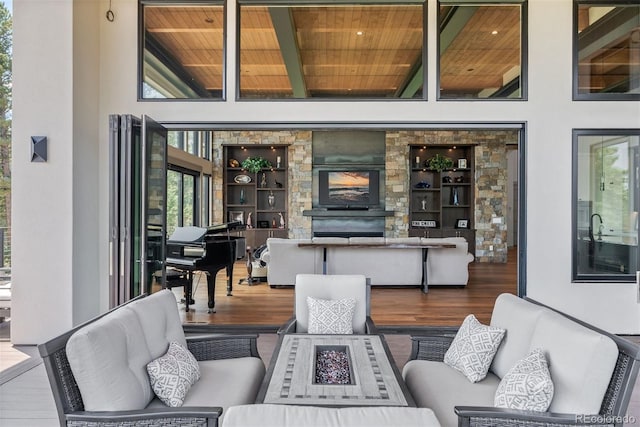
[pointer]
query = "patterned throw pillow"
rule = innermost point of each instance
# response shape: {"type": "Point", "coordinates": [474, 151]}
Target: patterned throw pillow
{"type": "Point", "coordinates": [473, 348]}
{"type": "Point", "coordinates": [527, 385]}
{"type": "Point", "coordinates": [331, 316]}
{"type": "Point", "coordinates": [173, 374]}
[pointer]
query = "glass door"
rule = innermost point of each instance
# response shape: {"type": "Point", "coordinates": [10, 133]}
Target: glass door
{"type": "Point", "coordinates": [154, 193]}
{"type": "Point", "coordinates": [137, 205]}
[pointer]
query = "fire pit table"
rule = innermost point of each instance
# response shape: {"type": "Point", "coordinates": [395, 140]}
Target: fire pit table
{"type": "Point", "coordinates": [333, 370]}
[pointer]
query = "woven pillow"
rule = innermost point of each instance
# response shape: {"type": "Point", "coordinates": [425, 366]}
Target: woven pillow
{"type": "Point", "coordinates": [473, 348]}
{"type": "Point", "coordinates": [331, 316]}
{"type": "Point", "coordinates": [527, 385]}
{"type": "Point", "coordinates": [173, 374]}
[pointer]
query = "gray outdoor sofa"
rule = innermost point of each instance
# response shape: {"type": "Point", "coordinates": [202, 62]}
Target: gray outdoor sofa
{"type": "Point", "coordinates": [593, 372]}
{"type": "Point", "coordinates": [98, 375]}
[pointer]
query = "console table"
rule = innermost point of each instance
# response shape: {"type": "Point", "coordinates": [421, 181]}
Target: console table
{"type": "Point", "coordinates": [425, 248]}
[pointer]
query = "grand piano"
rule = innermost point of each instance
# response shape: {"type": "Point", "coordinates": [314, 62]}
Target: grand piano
{"type": "Point", "coordinates": [210, 249]}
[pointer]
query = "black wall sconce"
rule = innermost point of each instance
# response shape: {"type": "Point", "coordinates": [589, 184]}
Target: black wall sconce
{"type": "Point", "coordinates": [38, 149]}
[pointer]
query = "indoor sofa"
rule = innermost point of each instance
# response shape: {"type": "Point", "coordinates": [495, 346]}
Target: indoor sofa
{"type": "Point", "coordinates": [386, 266]}
{"type": "Point", "coordinates": [99, 376]}
{"type": "Point", "coordinates": [593, 372]}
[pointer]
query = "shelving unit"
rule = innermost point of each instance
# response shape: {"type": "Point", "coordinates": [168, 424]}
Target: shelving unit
{"type": "Point", "coordinates": [259, 200]}
{"type": "Point", "coordinates": [442, 201]}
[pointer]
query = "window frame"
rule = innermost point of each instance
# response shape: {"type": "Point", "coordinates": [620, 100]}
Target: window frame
{"type": "Point", "coordinates": [197, 177]}
{"type": "Point", "coordinates": [141, 44]}
{"type": "Point", "coordinates": [577, 277]}
{"type": "Point", "coordinates": [524, 49]}
{"type": "Point", "coordinates": [574, 53]}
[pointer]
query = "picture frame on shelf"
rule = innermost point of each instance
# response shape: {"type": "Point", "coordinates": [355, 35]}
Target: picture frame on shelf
{"type": "Point", "coordinates": [236, 216]}
{"type": "Point", "coordinates": [462, 223]}
{"type": "Point", "coordinates": [263, 224]}
{"type": "Point", "coordinates": [462, 163]}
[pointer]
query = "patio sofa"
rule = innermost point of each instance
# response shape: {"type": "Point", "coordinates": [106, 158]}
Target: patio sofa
{"type": "Point", "coordinates": [383, 266]}
{"type": "Point", "coordinates": [593, 372]}
{"type": "Point", "coordinates": [98, 370]}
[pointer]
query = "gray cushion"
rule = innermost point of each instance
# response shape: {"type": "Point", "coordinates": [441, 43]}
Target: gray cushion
{"type": "Point", "coordinates": [331, 316]}
{"type": "Point", "coordinates": [519, 318]}
{"type": "Point", "coordinates": [581, 362]}
{"type": "Point", "coordinates": [473, 348]}
{"type": "Point", "coordinates": [108, 359]}
{"type": "Point", "coordinates": [268, 415]}
{"type": "Point", "coordinates": [173, 374]}
{"type": "Point", "coordinates": [439, 387]}
{"type": "Point", "coordinates": [527, 386]}
{"type": "Point", "coordinates": [160, 320]}
{"type": "Point", "coordinates": [225, 383]}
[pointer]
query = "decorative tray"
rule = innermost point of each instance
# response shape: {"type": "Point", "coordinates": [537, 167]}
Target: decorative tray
{"type": "Point", "coordinates": [242, 179]}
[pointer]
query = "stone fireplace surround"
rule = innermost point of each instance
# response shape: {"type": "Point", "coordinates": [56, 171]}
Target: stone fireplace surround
{"type": "Point", "coordinates": [490, 191]}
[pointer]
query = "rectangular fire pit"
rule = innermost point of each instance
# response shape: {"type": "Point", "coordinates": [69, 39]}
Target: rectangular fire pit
{"type": "Point", "coordinates": [332, 365]}
{"type": "Point", "coordinates": [333, 370]}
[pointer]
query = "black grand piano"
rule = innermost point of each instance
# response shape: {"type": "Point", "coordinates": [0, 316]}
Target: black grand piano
{"type": "Point", "coordinates": [208, 249]}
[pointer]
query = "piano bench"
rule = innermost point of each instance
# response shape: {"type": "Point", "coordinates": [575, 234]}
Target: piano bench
{"type": "Point", "coordinates": [177, 278]}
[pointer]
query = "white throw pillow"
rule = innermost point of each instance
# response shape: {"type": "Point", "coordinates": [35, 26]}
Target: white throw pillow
{"type": "Point", "coordinates": [173, 374]}
{"type": "Point", "coordinates": [473, 348]}
{"type": "Point", "coordinates": [527, 385]}
{"type": "Point", "coordinates": [331, 316]}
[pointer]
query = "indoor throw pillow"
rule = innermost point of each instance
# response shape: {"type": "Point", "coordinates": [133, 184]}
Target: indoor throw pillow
{"type": "Point", "coordinates": [473, 348]}
{"type": "Point", "coordinates": [527, 385]}
{"type": "Point", "coordinates": [173, 374]}
{"type": "Point", "coordinates": [331, 316]}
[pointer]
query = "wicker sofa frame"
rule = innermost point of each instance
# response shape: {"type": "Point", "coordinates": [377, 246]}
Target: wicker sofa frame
{"type": "Point", "coordinates": [70, 406]}
{"type": "Point", "coordinates": [434, 343]}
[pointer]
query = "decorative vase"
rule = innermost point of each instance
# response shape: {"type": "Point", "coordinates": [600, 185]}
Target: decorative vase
{"type": "Point", "coordinates": [263, 181]}
{"type": "Point", "coordinates": [271, 199]}
{"type": "Point", "coordinates": [455, 199]}
{"type": "Point", "coordinates": [423, 202]}
{"type": "Point", "coordinates": [242, 198]}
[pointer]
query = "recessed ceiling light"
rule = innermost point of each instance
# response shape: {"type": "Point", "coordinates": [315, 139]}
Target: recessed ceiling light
{"type": "Point", "coordinates": [494, 32]}
{"type": "Point", "coordinates": [209, 20]}
{"type": "Point", "coordinates": [359, 33]}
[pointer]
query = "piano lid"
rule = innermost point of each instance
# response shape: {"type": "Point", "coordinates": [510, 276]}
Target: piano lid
{"type": "Point", "coordinates": [188, 234]}
{"type": "Point", "coordinates": [191, 234]}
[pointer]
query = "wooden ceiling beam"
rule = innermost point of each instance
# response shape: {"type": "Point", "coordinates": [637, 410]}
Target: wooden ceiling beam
{"type": "Point", "coordinates": [286, 34]}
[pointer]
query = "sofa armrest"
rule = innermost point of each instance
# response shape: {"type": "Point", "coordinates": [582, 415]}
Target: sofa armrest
{"type": "Point", "coordinates": [370, 327]}
{"type": "Point", "coordinates": [191, 416]}
{"type": "Point", "coordinates": [212, 347]}
{"type": "Point", "coordinates": [433, 344]}
{"type": "Point", "coordinates": [289, 326]}
{"type": "Point", "coordinates": [469, 416]}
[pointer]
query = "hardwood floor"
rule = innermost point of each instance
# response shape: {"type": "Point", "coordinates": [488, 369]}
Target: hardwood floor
{"type": "Point", "coordinates": [261, 305]}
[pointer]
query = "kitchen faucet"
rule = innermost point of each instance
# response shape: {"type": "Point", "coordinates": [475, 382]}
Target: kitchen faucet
{"type": "Point", "coordinates": [591, 227]}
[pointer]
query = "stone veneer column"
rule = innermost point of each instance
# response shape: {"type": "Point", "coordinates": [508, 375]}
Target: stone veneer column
{"type": "Point", "coordinates": [396, 183]}
{"type": "Point", "coordinates": [299, 177]}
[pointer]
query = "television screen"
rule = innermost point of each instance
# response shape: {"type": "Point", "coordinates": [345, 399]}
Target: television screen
{"type": "Point", "coordinates": [348, 188]}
